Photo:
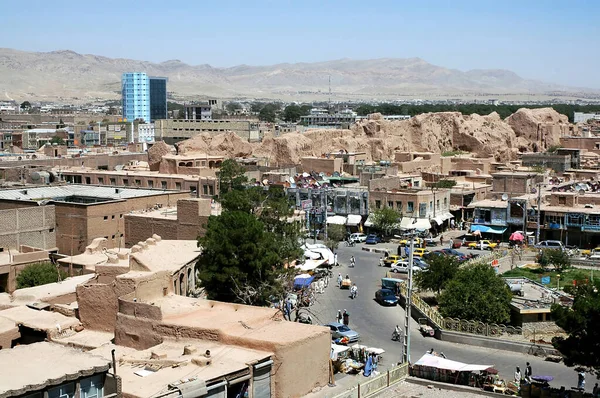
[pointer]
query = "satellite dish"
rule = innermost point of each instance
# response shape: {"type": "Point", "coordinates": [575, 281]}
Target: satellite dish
{"type": "Point", "coordinates": [305, 175]}
{"type": "Point", "coordinates": [504, 197]}
{"type": "Point", "coordinates": [291, 180]}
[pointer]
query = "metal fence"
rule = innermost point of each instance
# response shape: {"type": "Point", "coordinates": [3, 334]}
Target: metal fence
{"type": "Point", "coordinates": [374, 385]}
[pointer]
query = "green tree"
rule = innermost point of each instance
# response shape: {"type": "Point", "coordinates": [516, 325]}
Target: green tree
{"type": "Point", "coordinates": [582, 345]}
{"type": "Point", "coordinates": [57, 140]}
{"type": "Point", "coordinates": [557, 258]}
{"type": "Point", "coordinates": [385, 218]}
{"type": "Point", "coordinates": [232, 107]}
{"type": "Point", "coordinates": [292, 113]}
{"type": "Point", "coordinates": [255, 107]}
{"type": "Point", "coordinates": [444, 184]}
{"type": "Point", "coordinates": [39, 274]}
{"type": "Point", "coordinates": [231, 176]}
{"type": "Point", "coordinates": [335, 234]}
{"type": "Point", "coordinates": [25, 106]}
{"type": "Point", "coordinates": [476, 293]}
{"type": "Point", "coordinates": [268, 113]}
{"type": "Point", "coordinates": [442, 269]}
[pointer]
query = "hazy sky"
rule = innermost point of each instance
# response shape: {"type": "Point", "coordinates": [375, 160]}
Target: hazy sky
{"type": "Point", "coordinates": [553, 41]}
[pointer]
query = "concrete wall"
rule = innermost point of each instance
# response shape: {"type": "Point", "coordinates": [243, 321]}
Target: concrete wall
{"type": "Point", "coordinates": [31, 226]}
{"type": "Point", "coordinates": [175, 130]}
{"type": "Point", "coordinates": [591, 144]}
{"type": "Point", "coordinates": [91, 161]}
{"type": "Point", "coordinates": [321, 165]}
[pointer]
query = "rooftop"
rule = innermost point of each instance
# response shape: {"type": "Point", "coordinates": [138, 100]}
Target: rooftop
{"type": "Point", "coordinates": [50, 322]}
{"type": "Point", "coordinates": [536, 298]}
{"type": "Point", "coordinates": [166, 255]}
{"type": "Point", "coordinates": [125, 173]}
{"type": "Point", "coordinates": [488, 203]}
{"type": "Point", "coordinates": [63, 192]}
{"type": "Point", "coordinates": [28, 368]}
{"type": "Point", "coordinates": [224, 360]}
{"type": "Point", "coordinates": [43, 292]}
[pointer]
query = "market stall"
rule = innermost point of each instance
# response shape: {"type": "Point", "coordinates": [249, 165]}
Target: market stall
{"type": "Point", "coordinates": [303, 280]}
{"type": "Point", "coordinates": [437, 368]}
{"type": "Point", "coordinates": [353, 360]}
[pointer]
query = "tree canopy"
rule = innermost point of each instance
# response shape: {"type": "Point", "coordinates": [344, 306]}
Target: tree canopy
{"type": "Point", "coordinates": [245, 248]}
{"type": "Point", "coordinates": [557, 258]}
{"type": "Point", "coordinates": [582, 346]}
{"type": "Point", "coordinates": [444, 184]}
{"type": "Point", "coordinates": [25, 105]}
{"type": "Point", "coordinates": [57, 140]}
{"type": "Point", "coordinates": [335, 234]}
{"type": "Point", "coordinates": [385, 218]}
{"type": "Point", "coordinates": [39, 274]}
{"type": "Point", "coordinates": [292, 113]}
{"type": "Point", "coordinates": [441, 270]}
{"type": "Point", "coordinates": [476, 293]}
{"type": "Point", "coordinates": [232, 107]}
{"type": "Point", "coordinates": [268, 112]}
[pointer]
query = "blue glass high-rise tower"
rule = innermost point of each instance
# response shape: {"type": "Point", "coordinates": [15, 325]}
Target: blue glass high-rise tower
{"type": "Point", "coordinates": [158, 98]}
{"type": "Point", "coordinates": [135, 89]}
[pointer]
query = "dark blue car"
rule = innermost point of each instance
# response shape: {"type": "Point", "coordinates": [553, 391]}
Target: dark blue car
{"type": "Point", "coordinates": [372, 239]}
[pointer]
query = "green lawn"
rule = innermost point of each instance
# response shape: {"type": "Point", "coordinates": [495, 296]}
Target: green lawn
{"type": "Point", "coordinates": [566, 277]}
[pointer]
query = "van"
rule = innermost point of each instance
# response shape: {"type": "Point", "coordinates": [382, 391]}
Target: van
{"type": "Point", "coordinates": [550, 244]}
{"type": "Point", "coordinates": [357, 238]}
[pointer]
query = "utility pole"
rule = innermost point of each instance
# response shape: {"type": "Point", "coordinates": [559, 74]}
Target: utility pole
{"type": "Point", "coordinates": [539, 212]}
{"type": "Point", "coordinates": [406, 353]}
{"type": "Point", "coordinates": [325, 216]}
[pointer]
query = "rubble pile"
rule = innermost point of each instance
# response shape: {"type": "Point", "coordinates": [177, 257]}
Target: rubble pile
{"type": "Point", "coordinates": [484, 136]}
{"type": "Point", "coordinates": [156, 152]}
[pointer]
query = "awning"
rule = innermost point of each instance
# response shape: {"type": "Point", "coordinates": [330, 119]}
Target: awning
{"type": "Point", "coordinates": [369, 222]}
{"type": "Point", "coordinates": [302, 281]}
{"type": "Point", "coordinates": [310, 265]}
{"type": "Point", "coordinates": [421, 223]}
{"type": "Point", "coordinates": [439, 220]}
{"type": "Point", "coordinates": [337, 220]}
{"type": "Point", "coordinates": [406, 223]}
{"type": "Point", "coordinates": [337, 349]}
{"type": "Point", "coordinates": [489, 230]}
{"type": "Point", "coordinates": [353, 219]}
{"type": "Point", "coordinates": [447, 216]}
{"type": "Point", "coordinates": [433, 361]}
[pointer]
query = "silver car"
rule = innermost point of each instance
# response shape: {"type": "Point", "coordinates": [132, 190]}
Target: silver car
{"type": "Point", "coordinates": [339, 330]}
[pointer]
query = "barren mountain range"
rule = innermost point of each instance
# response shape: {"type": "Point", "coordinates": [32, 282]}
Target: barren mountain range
{"type": "Point", "coordinates": [69, 75]}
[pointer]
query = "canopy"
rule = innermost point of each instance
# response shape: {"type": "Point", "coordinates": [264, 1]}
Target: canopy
{"type": "Point", "coordinates": [353, 219]}
{"type": "Point", "coordinates": [311, 255]}
{"type": "Point", "coordinates": [337, 349]}
{"type": "Point", "coordinates": [337, 220]}
{"type": "Point", "coordinates": [310, 265]}
{"type": "Point", "coordinates": [369, 222]}
{"type": "Point", "coordinates": [421, 223]}
{"type": "Point", "coordinates": [447, 216]}
{"type": "Point", "coordinates": [406, 222]}
{"type": "Point", "coordinates": [443, 363]}
{"type": "Point", "coordinates": [439, 220]}
{"type": "Point", "coordinates": [489, 230]}
{"type": "Point", "coordinates": [302, 281]}
{"type": "Point", "coordinates": [516, 236]}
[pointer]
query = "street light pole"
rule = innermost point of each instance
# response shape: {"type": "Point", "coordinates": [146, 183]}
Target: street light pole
{"type": "Point", "coordinates": [539, 212]}
{"type": "Point", "coordinates": [406, 353]}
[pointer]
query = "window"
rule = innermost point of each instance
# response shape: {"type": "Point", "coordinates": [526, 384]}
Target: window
{"type": "Point", "coordinates": [410, 207]}
{"type": "Point", "coordinates": [437, 204]}
{"type": "Point", "coordinates": [112, 217]}
{"type": "Point", "coordinates": [138, 183]}
{"type": "Point", "coordinates": [399, 206]}
{"type": "Point", "coordinates": [211, 190]}
{"type": "Point", "coordinates": [51, 230]}
{"type": "Point", "coordinates": [163, 184]}
{"type": "Point", "coordinates": [113, 237]}
{"type": "Point", "coordinates": [205, 189]}
{"type": "Point", "coordinates": [378, 204]}
{"type": "Point", "coordinates": [120, 215]}
{"type": "Point", "coordinates": [390, 204]}
{"type": "Point", "coordinates": [105, 218]}
{"type": "Point", "coordinates": [416, 184]}
{"type": "Point", "coordinates": [178, 186]}
{"type": "Point", "coordinates": [430, 205]}
{"type": "Point", "coordinates": [445, 202]}
{"type": "Point", "coordinates": [63, 391]}
{"type": "Point", "coordinates": [100, 180]}
{"type": "Point", "coordinates": [91, 387]}
{"type": "Point", "coordinates": [150, 184]}
{"type": "Point", "coordinates": [125, 182]}
{"type": "Point", "coordinates": [562, 200]}
{"type": "Point", "coordinates": [88, 180]}
{"type": "Point", "coordinates": [113, 181]}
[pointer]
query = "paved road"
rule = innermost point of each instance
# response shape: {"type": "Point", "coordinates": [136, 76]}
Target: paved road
{"type": "Point", "coordinates": [375, 323]}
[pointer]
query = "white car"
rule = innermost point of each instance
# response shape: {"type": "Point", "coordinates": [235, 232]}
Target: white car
{"type": "Point", "coordinates": [402, 267]}
{"type": "Point", "coordinates": [357, 238]}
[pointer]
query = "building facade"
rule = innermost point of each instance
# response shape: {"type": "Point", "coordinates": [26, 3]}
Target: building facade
{"type": "Point", "coordinates": [158, 98]}
{"type": "Point", "coordinates": [135, 88]}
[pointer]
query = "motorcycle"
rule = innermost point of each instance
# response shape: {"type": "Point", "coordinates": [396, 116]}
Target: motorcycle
{"type": "Point", "coordinates": [353, 293]}
{"type": "Point", "coordinates": [350, 243]}
{"type": "Point", "coordinates": [396, 336]}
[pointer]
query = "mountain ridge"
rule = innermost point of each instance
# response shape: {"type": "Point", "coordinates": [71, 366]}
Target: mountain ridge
{"type": "Point", "coordinates": [68, 74]}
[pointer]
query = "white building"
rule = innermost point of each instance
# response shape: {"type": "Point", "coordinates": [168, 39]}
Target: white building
{"type": "Point", "coordinates": [146, 132]}
{"type": "Point", "coordinates": [580, 117]}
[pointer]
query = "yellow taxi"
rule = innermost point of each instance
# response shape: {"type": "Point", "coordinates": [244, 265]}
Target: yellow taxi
{"type": "Point", "coordinates": [420, 252]}
{"type": "Point", "coordinates": [418, 242]}
{"type": "Point", "coordinates": [389, 260]}
{"type": "Point", "coordinates": [483, 244]}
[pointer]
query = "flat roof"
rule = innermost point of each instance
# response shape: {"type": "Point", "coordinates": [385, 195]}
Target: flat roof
{"type": "Point", "coordinates": [536, 298]}
{"type": "Point", "coordinates": [58, 192]}
{"type": "Point", "coordinates": [497, 204]}
{"type": "Point", "coordinates": [225, 360]}
{"type": "Point", "coordinates": [39, 320]}
{"type": "Point", "coordinates": [168, 255]}
{"type": "Point", "coordinates": [128, 172]}
{"type": "Point", "coordinates": [29, 368]}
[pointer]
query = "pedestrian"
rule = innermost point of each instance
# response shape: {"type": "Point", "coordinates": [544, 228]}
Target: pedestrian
{"type": "Point", "coordinates": [528, 372]}
{"type": "Point", "coordinates": [581, 380]}
{"type": "Point", "coordinates": [452, 223]}
{"type": "Point", "coordinates": [441, 240]}
{"type": "Point", "coordinates": [339, 280]}
{"type": "Point", "coordinates": [339, 316]}
{"type": "Point", "coordinates": [352, 261]}
{"type": "Point", "coordinates": [407, 250]}
{"type": "Point", "coordinates": [381, 261]}
{"type": "Point", "coordinates": [518, 375]}
{"type": "Point", "coordinates": [335, 263]}
{"type": "Point", "coordinates": [288, 309]}
{"type": "Point", "coordinates": [596, 391]}
{"type": "Point", "coordinates": [346, 318]}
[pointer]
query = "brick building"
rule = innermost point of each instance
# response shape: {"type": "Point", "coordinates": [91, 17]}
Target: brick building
{"type": "Point", "coordinates": [175, 130]}
{"type": "Point", "coordinates": [83, 213]}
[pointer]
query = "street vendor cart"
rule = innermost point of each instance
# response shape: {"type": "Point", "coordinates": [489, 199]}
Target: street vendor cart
{"type": "Point", "coordinates": [346, 283]}
{"type": "Point", "coordinates": [425, 329]}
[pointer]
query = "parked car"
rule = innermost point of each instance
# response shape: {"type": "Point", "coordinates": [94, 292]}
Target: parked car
{"type": "Point", "coordinates": [418, 252]}
{"type": "Point", "coordinates": [594, 254]}
{"type": "Point", "coordinates": [339, 330]}
{"type": "Point", "coordinates": [417, 242]}
{"type": "Point", "coordinates": [402, 267]}
{"type": "Point", "coordinates": [372, 239]}
{"type": "Point", "coordinates": [460, 256]}
{"type": "Point", "coordinates": [468, 239]}
{"type": "Point", "coordinates": [550, 244]}
{"type": "Point", "coordinates": [483, 244]}
{"type": "Point", "coordinates": [357, 237]}
{"type": "Point", "coordinates": [389, 260]}
{"type": "Point", "coordinates": [420, 263]}
{"type": "Point", "coordinates": [386, 297]}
